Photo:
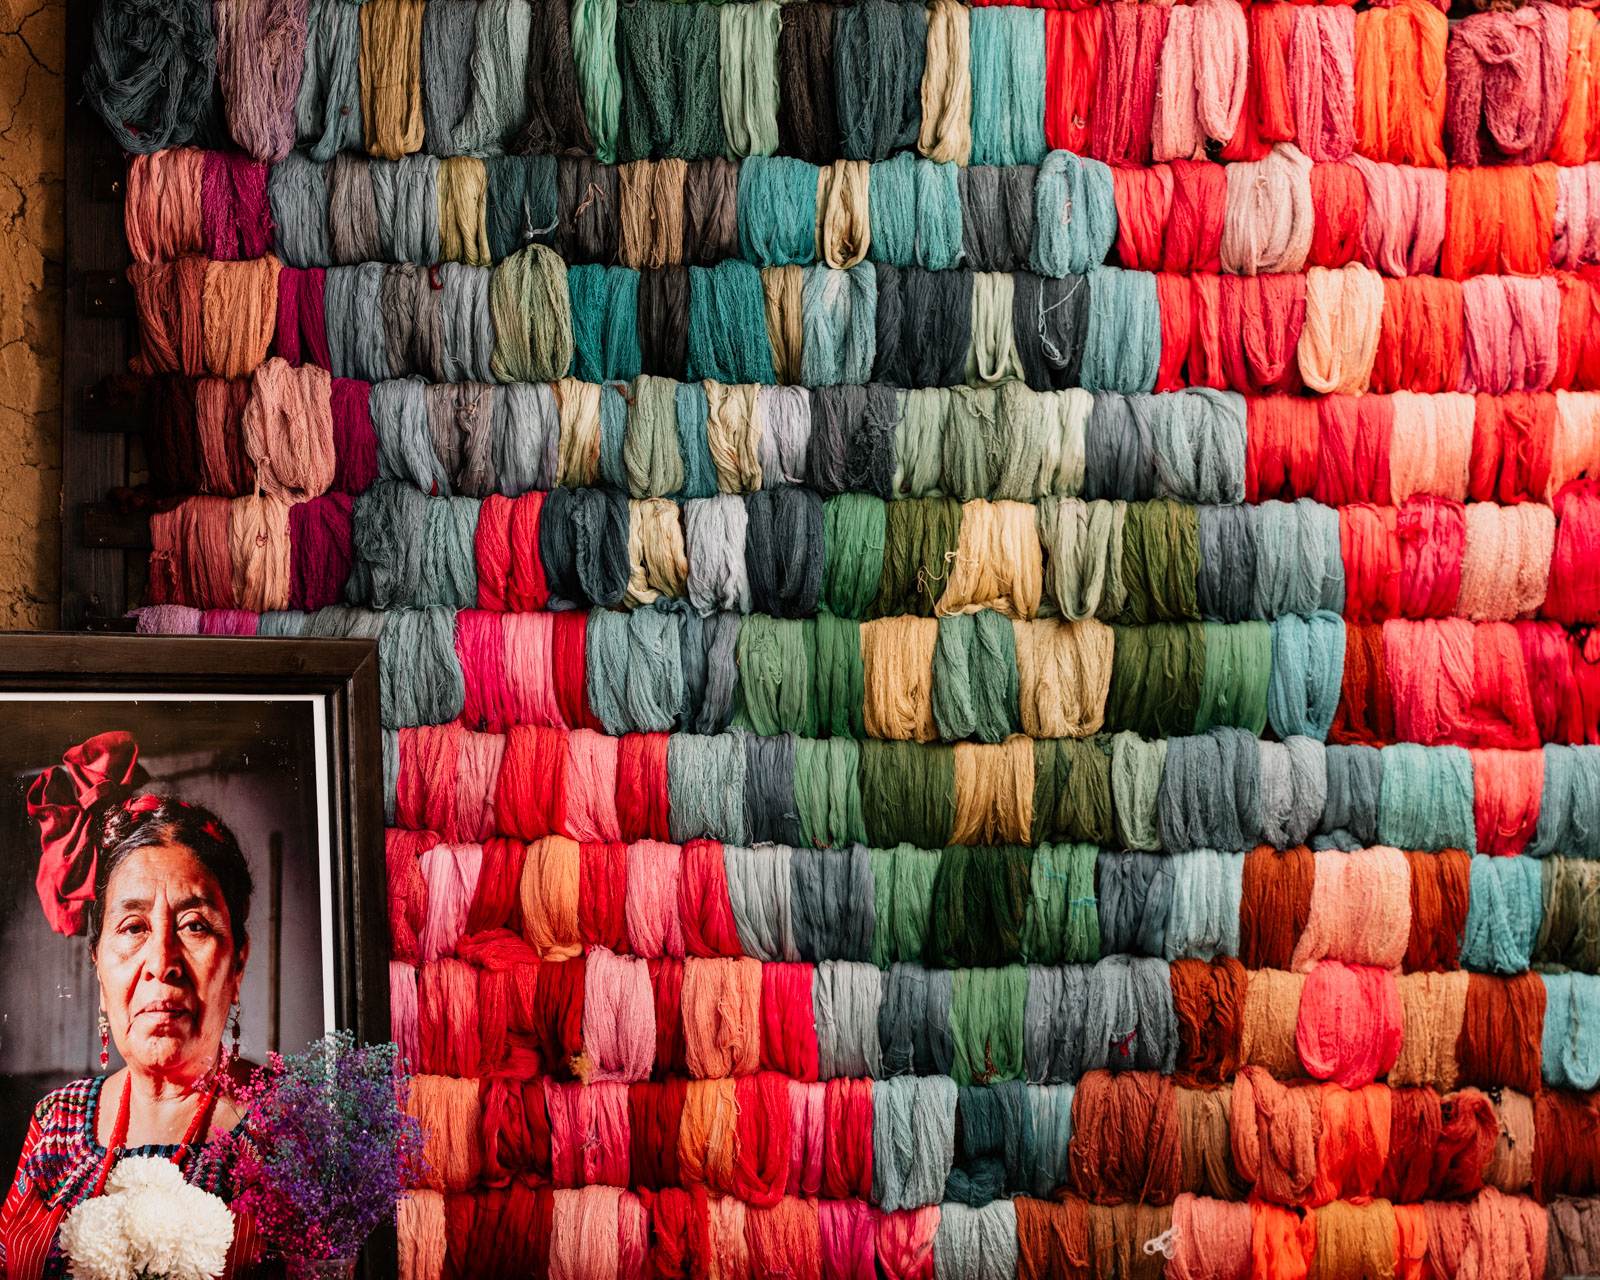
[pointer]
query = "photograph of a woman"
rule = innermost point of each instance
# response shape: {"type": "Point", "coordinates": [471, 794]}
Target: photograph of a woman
{"type": "Point", "coordinates": [151, 849]}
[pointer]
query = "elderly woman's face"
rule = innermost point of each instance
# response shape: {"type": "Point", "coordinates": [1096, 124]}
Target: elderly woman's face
{"type": "Point", "coordinates": [167, 961]}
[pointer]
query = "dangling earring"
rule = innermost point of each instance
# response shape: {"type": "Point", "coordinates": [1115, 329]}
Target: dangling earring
{"type": "Point", "coordinates": [105, 1040]}
{"type": "Point", "coordinates": [233, 1053]}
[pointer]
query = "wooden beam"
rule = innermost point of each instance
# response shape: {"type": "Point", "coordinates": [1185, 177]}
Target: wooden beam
{"type": "Point", "coordinates": [105, 528]}
{"type": "Point", "coordinates": [96, 342]}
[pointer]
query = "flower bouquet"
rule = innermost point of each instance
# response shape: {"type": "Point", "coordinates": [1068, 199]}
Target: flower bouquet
{"type": "Point", "coordinates": [149, 1225]}
{"type": "Point", "coordinates": [326, 1152]}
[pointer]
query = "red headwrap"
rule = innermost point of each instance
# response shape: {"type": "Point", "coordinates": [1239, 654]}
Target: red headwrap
{"type": "Point", "coordinates": [62, 801]}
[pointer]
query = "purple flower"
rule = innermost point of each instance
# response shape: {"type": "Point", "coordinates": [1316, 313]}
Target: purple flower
{"type": "Point", "coordinates": [327, 1150]}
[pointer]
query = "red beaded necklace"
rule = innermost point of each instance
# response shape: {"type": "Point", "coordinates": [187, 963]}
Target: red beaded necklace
{"type": "Point", "coordinates": [119, 1129]}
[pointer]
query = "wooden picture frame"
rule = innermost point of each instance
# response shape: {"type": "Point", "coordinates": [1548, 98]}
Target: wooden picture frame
{"type": "Point", "coordinates": [329, 684]}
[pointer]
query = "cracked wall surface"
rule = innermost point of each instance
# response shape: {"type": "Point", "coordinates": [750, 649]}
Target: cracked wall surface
{"type": "Point", "coordinates": [32, 110]}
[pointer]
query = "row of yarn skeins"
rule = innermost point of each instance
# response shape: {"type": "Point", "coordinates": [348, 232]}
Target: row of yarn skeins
{"type": "Point", "coordinates": [1219, 791]}
{"type": "Point", "coordinates": [1122, 82]}
{"type": "Point", "coordinates": [902, 1143]}
{"type": "Point", "coordinates": [966, 907]}
{"type": "Point", "coordinates": [570, 1232]}
{"type": "Point", "coordinates": [574, 1009]}
{"type": "Point", "coordinates": [1025, 1138]}
{"type": "Point", "coordinates": [1065, 215]}
{"type": "Point", "coordinates": [295, 432]}
{"type": "Point", "coordinates": [789, 552]}
{"type": "Point", "coordinates": [1432, 681]}
{"type": "Point", "coordinates": [1340, 330]}
{"type": "Point", "coordinates": [977, 907]}
{"type": "Point", "coordinates": [1141, 565]}
{"type": "Point", "coordinates": [724, 1017]}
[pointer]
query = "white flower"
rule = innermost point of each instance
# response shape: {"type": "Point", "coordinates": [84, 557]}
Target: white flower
{"type": "Point", "coordinates": [91, 1237]}
{"type": "Point", "coordinates": [136, 1173]}
{"type": "Point", "coordinates": [150, 1223]}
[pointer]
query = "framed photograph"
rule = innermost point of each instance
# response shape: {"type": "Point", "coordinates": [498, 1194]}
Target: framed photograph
{"type": "Point", "coordinates": [264, 757]}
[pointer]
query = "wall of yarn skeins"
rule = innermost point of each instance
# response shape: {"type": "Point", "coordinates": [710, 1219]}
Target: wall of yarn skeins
{"type": "Point", "coordinates": [985, 613]}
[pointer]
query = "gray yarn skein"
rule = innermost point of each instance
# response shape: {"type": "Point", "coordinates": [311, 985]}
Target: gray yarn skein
{"type": "Point", "coordinates": [151, 71]}
{"type": "Point", "coordinates": [583, 543]}
{"type": "Point", "coordinates": [521, 203]}
{"type": "Point", "coordinates": [686, 629]}
{"type": "Point", "coordinates": [297, 191]}
{"type": "Point", "coordinates": [770, 810]}
{"type": "Point", "coordinates": [420, 680]}
{"type": "Point", "coordinates": [449, 572]}
{"type": "Point", "coordinates": [463, 299]}
{"type": "Point", "coordinates": [869, 445]}
{"type": "Point", "coordinates": [1051, 1114]}
{"type": "Point", "coordinates": [785, 417]}
{"type": "Point", "coordinates": [358, 346]}
{"type": "Point", "coordinates": [1119, 449]}
{"type": "Point", "coordinates": [1135, 891]}
{"type": "Point", "coordinates": [400, 420]}
{"type": "Point", "coordinates": [997, 215]}
{"type": "Point", "coordinates": [656, 684]}
{"type": "Point", "coordinates": [1350, 812]}
{"type": "Point", "coordinates": [1225, 585]}
{"type": "Point", "coordinates": [1128, 1020]}
{"type": "Point", "coordinates": [447, 46]}
{"type": "Point", "coordinates": [996, 1153]}
{"type": "Point", "coordinates": [783, 551]}
{"type": "Point", "coordinates": [976, 1244]}
{"type": "Point", "coordinates": [327, 110]}
{"type": "Point", "coordinates": [1211, 792]}
{"type": "Point", "coordinates": [1294, 790]}
{"type": "Point", "coordinates": [1052, 1032]}
{"type": "Point", "coordinates": [600, 538]}
{"type": "Point", "coordinates": [527, 436]}
{"type": "Point", "coordinates": [1207, 887]}
{"type": "Point", "coordinates": [1017, 183]}
{"type": "Point", "coordinates": [660, 665]}
{"type": "Point", "coordinates": [634, 662]}
{"type": "Point", "coordinates": [460, 422]}
{"type": "Point", "coordinates": [386, 528]}
{"type": "Point", "coordinates": [413, 323]}
{"type": "Point", "coordinates": [1299, 563]}
{"type": "Point", "coordinates": [845, 996]}
{"type": "Point", "coordinates": [759, 889]}
{"type": "Point", "coordinates": [1049, 323]}
{"type": "Point", "coordinates": [832, 411]}
{"type": "Point", "coordinates": [721, 641]}
{"type": "Point", "coordinates": [831, 903]}
{"type": "Point", "coordinates": [345, 622]}
{"type": "Point", "coordinates": [705, 787]}
{"type": "Point", "coordinates": [605, 660]}
{"type": "Point", "coordinates": [913, 1140]}
{"type": "Point", "coordinates": [353, 234]}
{"type": "Point", "coordinates": [406, 195]}
{"type": "Point", "coordinates": [935, 330]}
{"type": "Point", "coordinates": [914, 1022]}
{"type": "Point", "coordinates": [714, 531]}
{"type": "Point", "coordinates": [1569, 809]}
{"type": "Point", "coordinates": [461, 417]}
{"type": "Point", "coordinates": [1200, 438]}
{"type": "Point", "coordinates": [498, 105]}
{"type": "Point", "coordinates": [282, 624]}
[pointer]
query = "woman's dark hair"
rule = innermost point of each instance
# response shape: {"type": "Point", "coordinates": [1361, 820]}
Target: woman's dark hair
{"type": "Point", "coordinates": [150, 821]}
